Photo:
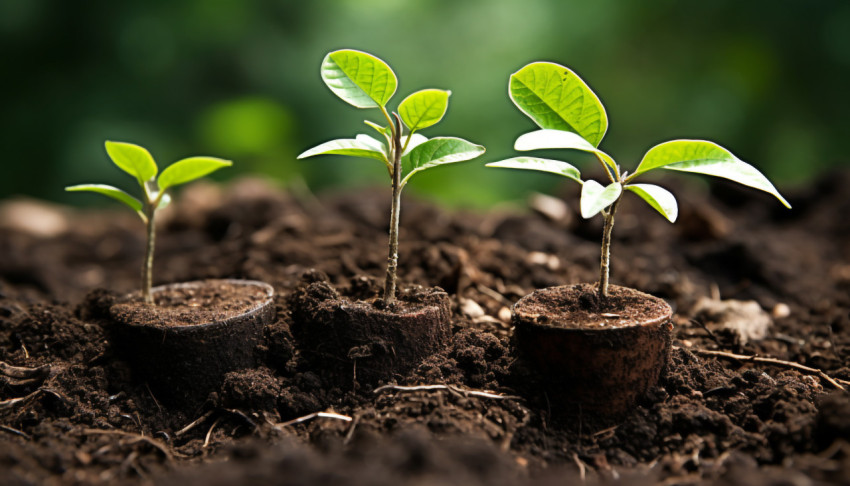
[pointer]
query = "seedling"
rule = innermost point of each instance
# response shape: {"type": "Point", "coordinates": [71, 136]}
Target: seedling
{"type": "Point", "coordinates": [571, 116]}
{"type": "Point", "coordinates": [139, 163]}
{"type": "Point", "coordinates": [364, 81]}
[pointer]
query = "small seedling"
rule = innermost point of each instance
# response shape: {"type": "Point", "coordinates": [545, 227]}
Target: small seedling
{"type": "Point", "coordinates": [364, 81]}
{"type": "Point", "coordinates": [571, 116]}
{"type": "Point", "coordinates": [139, 163]}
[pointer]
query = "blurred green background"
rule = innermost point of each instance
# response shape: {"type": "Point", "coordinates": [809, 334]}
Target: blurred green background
{"type": "Point", "coordinates": [240, 80]}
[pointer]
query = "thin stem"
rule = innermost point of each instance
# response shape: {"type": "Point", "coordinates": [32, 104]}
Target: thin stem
{"type": "Point", "coordinates": [392, 259]}
{"type": "Point", "coordinates": [407, 142]}
{"type": "Point", "coordinates": [605, 260]}
{"type": "Point", "coordinates": [147, 265]}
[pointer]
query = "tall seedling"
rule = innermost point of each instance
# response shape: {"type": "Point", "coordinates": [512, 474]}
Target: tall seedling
{"type": "Point", "coordinates": [571, 116]}
{"type": "Point", "coordinates": [364, 81]}
{"type": "Point", "coordinates": [139, 163]}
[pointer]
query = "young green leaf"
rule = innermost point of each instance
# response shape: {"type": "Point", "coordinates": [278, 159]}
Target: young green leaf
{"type": "Point", "coordinates": [555, 97]}
{"type": "Point", "coordinates": [132, 159]}
{"type": "Point", "coordinates": [346, 146]}
{"type": "Point", "coordinates": [424, 108]}
{"type": "Point", "coordinates": [415, 141]}
{"type": "Point", "coordinates": [704, 157]}
{"type": "Point", "coordinates": [385, 131]}
{"type": "Point", "coordinates": [110, 191]}
{"type": "Point", "coordinates": [189, 169]}
{"type": "Point", "coordinates": [559, 139]}
{"type": "Point", "coordinates": [438, 151]}
{"type": "Point", "coordinates": [595, 198]}
{"type": "Point", "coordinates": [360, 79]}
{"type": "Point", "coordinates": [659, 198]}
{"type": "Point", "coordinates": [542, 165]}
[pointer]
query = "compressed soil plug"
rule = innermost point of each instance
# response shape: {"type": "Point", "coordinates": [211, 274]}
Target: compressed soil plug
{"type": "Point", "coordinates": [195, 334]}
{"type": "Point", "coordinates": [368, 341]}
{"type": "Point", "coordinates": [599, 356]}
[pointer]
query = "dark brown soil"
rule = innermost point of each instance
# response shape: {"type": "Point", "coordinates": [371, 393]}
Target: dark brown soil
{"type": "Point", "coordinates": [185, 305]}
{"type": "Point", "coordinates": [72, 413]}
{"type": "Point", "coordinates": [579, 307]}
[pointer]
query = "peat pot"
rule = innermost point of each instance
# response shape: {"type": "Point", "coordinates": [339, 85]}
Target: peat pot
{"type": "Point", "coordinates": [364, 341]}
{"type": "Point", "coordinates": [196, 333]}
{"type": "Point", "coordinates": [598, 359]}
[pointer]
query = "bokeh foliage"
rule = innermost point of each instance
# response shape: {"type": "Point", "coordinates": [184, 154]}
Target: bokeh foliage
{"type": "Point", "coordinates": [240, 80]}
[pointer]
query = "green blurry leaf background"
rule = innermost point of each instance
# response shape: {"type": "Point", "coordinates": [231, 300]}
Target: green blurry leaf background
{"type": "Point", "coordinates": [240, 81]}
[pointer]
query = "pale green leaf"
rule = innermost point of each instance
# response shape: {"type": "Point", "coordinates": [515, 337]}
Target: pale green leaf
{"type": "Point", "coordinates": [538, 164]}
{"type": "Point", "coordinates": [346, 146]}
{"type": "Point", "coordinates": [375, 144]}
{"type": "Point", "coordinates": [189, 169]}
{"type": "Point", "coordinates": [110, 191]}
{"type": "Point", "coordinates": [595, 198]}
{"type": "Point", "coordinates": [555, 97]}
{"type": "Point", "coordinates": [132, 159]}
{"type": "Point", "coordinates": [704, 157]}
{"type": "Point", "coordinates": [385, 131]}
{"type": "Point", "coordinates": [559, 139]}
{"type": "Point", "coordinates": [360, 79]}
{"type": "Point", "coordinates": [424, 108]}
{"type": "Point", "coordinates": [415, 141]}
{"type": "Point", "coordinates": [438, 151]}
{"type": "Point", "coordinates": [164, 201]}
{"type": "Point", "coordinates": [659, 198]}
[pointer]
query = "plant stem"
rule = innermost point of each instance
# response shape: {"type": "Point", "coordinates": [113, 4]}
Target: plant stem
{"type": "Point", "coordinates": [605, 260]}
{"type": "Point", "coordinates": [147, 265]}
{"type": "Point", "coordinates": [392, 259]}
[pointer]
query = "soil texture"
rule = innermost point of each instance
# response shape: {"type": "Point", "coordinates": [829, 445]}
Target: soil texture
{"type": "Point", "coordinates": [72, 411]}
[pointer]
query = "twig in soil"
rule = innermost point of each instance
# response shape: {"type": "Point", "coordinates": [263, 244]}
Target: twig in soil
{"type": "Point", "coordinates": [707, 330]}
{"type": "Point", "coordinates": [311, 416]}
{"type": "Point", "coordinates": [23, 372]}
{"type": "Point", "coordinates": [136, 438]}
{"type": "Point", "coordinates": [11, 402]}
{"type": "Point", "coordinates": [155, 401]}
{"type": "Point", "coordinates": [582, 467]}
{"type": "Point", "coordinates": [17, 432]}
{"type": "Point", "coordinates": [242, 415]}
{"type": "Point", "coordinates": [451, 388]}
{"type": "Point", "coordinates": [493, 294]}
{"type": "Point", "coordinates": [209, 433]}
{"type": "Point", "coordinates": [193, 424]}
{"type": "Point", "coordinates": [350, 433]}
{"type": "Point", "coordinates": [772, 361]}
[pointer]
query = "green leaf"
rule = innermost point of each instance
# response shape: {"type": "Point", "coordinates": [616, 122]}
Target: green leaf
{"type": "Point", "coordinates": [595, 198]}
{"type": "Point", "coordinates": [132, 159]}
{"type": "Point", "coordinates": [704, 157]}
{"type": "Point", "coordinates": [438, 151]}
{"type": "Point", "coordinates": [559, 139]}
{"type": "Point", "coordinates": [346, 146]}
{"type": "Point", "coordinates": [555, 97]}
{"type": "Point", "coordinates": [424, 108]}
{"type": "Point", "coordinates": [164, 201]}
{"type": "Point", "coordinates": [189, 169]}
{"type": "Point", "coordinates": [659, 198]}
{"type": "Point", "coordinates": [385, 131]}
{"type": "Point", "coordinates": [360, 79]}
{"type": "Point", "coordinates": [375, 144]}
{"type": "Point", "coordinates": [542, 165]}
{"type": "Point", "coordinates": [415, 141]}
{"type": "Point", "coordinates": [110, 191]}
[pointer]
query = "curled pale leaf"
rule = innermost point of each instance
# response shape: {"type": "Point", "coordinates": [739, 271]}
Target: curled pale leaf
{"type": "Point", "coordinates": [555, 97]}
{"type": "Point", "coordinates": [704, 157]}
{"type": "Point", "coordinates": [109, 191]}
{"type": "Point", "coordinates": [559, 139]}
{"type": "Point", "coordinates": [595, 197]}
{"type": "Point", "coordinates": [346, 146]}
{"type": "Point", "coordinates": [132, 159]}
{"type": "Point", "coordinates": [415, 140]}
{"type": "Point", "coordinates": [189, 169]}
{"type": "Point", "coordinates": [438, 151]}
{"type": "Point", "coordinates": [659, 198]}
{"type": "Point", "coordinates": [358, 78]}
{"type": "Point", "coordinates": [424, 108]}
{"type": "Point", "coordinates": [538, 164]}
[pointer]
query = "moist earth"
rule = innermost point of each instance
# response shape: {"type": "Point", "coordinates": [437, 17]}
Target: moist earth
{"type": "Point", "coordinates": [73, 413]}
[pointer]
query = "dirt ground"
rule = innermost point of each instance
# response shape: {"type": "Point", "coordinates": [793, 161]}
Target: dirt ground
{"type": "Point", "coordinates": [71, 412]}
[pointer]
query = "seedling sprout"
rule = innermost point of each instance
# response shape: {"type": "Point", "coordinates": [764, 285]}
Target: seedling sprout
{"type": "Point", "coordinates": [139, 163]}
{"type": "Point", "coordinates": [571, 116]}
{"type": "Point", "coordinates": [364, 81]}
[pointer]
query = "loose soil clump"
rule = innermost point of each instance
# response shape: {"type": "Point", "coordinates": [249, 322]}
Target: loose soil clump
{"type": "Point", "coordinates": [72, 412]}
